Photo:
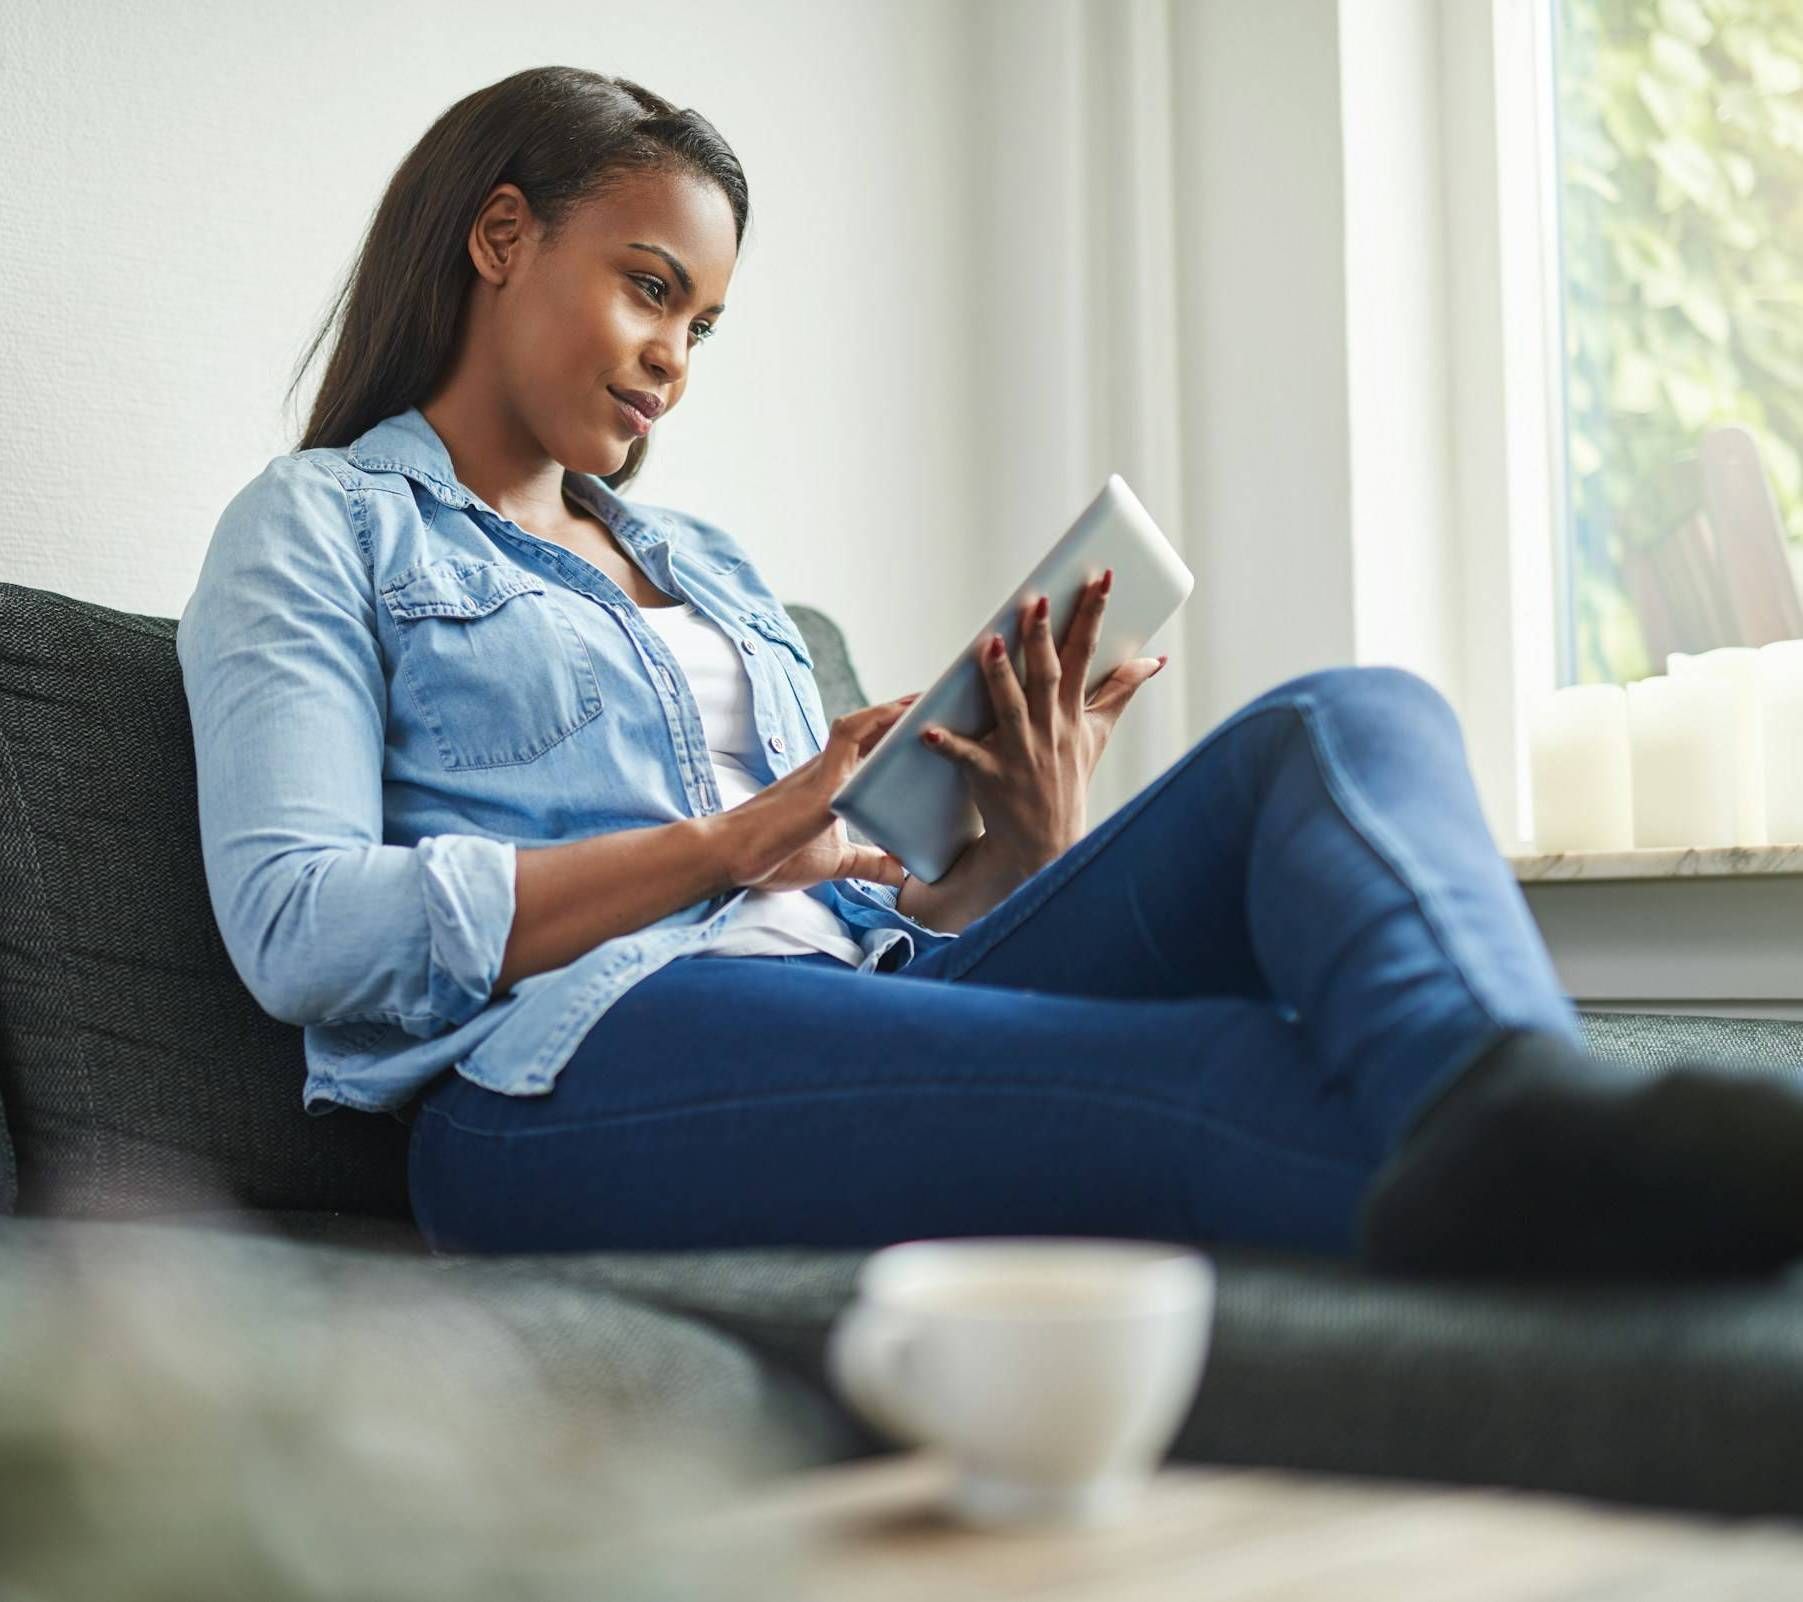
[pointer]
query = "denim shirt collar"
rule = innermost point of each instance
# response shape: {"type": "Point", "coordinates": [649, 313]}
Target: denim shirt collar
{"type": "Point", "coordinates": [407, 443]}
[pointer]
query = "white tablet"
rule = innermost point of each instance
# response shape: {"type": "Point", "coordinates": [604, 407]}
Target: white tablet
{"type": "Point", "coordinates": [914, 802]}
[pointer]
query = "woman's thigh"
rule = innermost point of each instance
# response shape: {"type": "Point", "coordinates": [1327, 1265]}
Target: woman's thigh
{"type": "Point", "coordinates": [728, 1101]}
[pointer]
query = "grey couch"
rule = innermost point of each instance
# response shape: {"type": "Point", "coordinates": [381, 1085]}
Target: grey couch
{"type": "Point", "coordinates": [149, 1101]}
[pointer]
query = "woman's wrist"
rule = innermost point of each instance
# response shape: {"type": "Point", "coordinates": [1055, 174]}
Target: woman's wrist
{"type": "Point", "coordinates": [979, 880]}
{"type": "Point", "coordinates": [727, 846]}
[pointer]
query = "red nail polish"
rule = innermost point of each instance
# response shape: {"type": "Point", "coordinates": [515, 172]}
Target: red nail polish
{"type": "Point", "coordinates": [1044, 606]}
{"type": "Point", "coordinates": [995, 648]}
{"type": "Point", "coordinates": [1107, 580]}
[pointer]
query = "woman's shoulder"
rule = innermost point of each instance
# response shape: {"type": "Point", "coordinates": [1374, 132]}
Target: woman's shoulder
{"type": "Point", "coordinates": [337, 498]}
{"type": "Point", "coordinates": [317, 482]}
{"type": "Point", "coordinates": [295, 516]}
{"type": "Point", "coordinates": [324, 478]}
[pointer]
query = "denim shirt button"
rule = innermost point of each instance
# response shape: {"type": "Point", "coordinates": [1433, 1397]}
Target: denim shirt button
{"type": "Point", "coordinates": [776, 742]}
{"type": "Point", "coordinates": [750, 646]}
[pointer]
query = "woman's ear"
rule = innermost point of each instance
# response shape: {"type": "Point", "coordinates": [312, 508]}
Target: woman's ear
{"type": "Point", "coordinates": [499, 233]}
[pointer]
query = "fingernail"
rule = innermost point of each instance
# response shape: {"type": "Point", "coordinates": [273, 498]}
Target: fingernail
{"type": "Point", "coordinates": [931, 736]}
{"type": "Point", "coordinates": [995, 646]}
{"type": "Point", "coordinates": [1161, 662]}
{"type": "Point", "coordinates": [1107, 581]}
{"type": "Point", "coordinates": [1044, 606]}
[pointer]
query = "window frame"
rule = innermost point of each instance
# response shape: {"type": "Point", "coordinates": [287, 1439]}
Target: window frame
{"type": "Point", "coordinates": [1728, 942]}
{"type": "Point", "coordinates": [1498, 118]}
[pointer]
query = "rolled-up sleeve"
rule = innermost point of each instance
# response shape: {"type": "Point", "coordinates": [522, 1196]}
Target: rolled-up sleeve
{"type": "Point", "coordinates": [885, 893]}
{"type": "Point", "coordinates": [287, 695]}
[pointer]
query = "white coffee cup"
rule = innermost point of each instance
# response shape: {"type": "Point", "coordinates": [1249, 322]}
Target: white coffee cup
{"type": "Point", "coordinates": [1053, 1370]}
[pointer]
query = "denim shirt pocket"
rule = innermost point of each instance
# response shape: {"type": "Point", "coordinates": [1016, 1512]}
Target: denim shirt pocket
{"type": "Point", "coordinates": [798, 666]}
{"type": "Point", "coordinates": [495, 666]}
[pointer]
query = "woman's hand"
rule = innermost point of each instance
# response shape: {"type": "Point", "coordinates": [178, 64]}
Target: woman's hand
{"type": "Point", "coordinates": [786, 837]}
{"type": "Point", "coordinates": [1030, 774]}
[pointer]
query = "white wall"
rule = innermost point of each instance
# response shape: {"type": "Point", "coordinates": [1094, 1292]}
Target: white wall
{"type": "Point", "coordinates": [1269, 491]}
{"type": "Point", "coordinates": [999, 249]}
{"type": "Point", "coordinates": [184, 185]}
{"type": "Point", "coordinates": [1343, 454]}
{"type": "Point", "coordinates": [1399, 382]}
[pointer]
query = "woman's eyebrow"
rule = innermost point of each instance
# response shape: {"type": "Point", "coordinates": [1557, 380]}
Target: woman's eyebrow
{"type": "Point", "coordinates": [682, 273]}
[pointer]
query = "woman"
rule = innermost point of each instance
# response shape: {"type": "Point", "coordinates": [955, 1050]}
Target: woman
{"type": "Point", "coordinates": [513, 793]}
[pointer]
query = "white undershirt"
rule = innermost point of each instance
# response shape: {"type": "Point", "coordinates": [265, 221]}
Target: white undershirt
{"type": "Point", "coordinates": [787, 922]}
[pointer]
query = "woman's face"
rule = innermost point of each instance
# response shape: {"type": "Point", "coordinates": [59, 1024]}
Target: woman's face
{"type": "Point", "coordinates": [606, 308]}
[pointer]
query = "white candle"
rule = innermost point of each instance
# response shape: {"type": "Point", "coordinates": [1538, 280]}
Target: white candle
{"type": "Point", "coordinates": [1685, 772]}
{"type": "Point", "coordinates": [1781, 732]}
{"type": "Point", "coordinates": [1579, 770]}
{"type": "Point", "coordinates": [1738, 665]}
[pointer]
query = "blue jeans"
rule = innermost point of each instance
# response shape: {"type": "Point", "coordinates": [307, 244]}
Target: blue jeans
{"type": "Point", "coordinates": [1211, 1018]}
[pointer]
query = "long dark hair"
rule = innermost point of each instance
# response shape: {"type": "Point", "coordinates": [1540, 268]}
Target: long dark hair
{"type": "Point", "coordinates": [564, 136]}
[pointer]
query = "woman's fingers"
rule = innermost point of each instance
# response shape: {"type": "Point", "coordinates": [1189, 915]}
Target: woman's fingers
{"type": "Point", "coordinates": [1042, 661]}
{"type": "Point", "coordinates": [882, 725]}
{"type": "Point", "coordinates": [873, 863]}
{"type": "Point", "coordinates": [1118, 688]}
{"type": "Point", "coordinates": [861, 720]}
{"type": "Point", "coordinates": [883, 711]}
{"type": "Point", "coordinates": [971, 753]}
{"type": "Point", "coordinates": [1005, 693]}
{"type": "Point", "coordinates": [1080, 640]}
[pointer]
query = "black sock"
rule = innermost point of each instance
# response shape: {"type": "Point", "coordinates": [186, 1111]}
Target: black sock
{"type": "Point", "coordinates": [1540, 1158]}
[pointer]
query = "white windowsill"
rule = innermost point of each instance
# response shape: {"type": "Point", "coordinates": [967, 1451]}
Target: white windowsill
{"type": "Point", "coordinates": [1716, 930]}
{"type": "Point", "coordinates": [1659, 862]}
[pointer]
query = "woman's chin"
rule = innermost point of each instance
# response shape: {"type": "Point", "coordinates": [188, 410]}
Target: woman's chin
{"type": "Point", "coordinates": [602, 460]}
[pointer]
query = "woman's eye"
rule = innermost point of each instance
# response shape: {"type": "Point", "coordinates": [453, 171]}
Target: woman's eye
{"type": "Point", "coordinates": [702, 330]}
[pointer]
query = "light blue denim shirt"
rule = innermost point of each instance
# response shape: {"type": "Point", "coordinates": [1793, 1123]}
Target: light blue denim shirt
{"type": "Point", "coordinates": [392, 689]}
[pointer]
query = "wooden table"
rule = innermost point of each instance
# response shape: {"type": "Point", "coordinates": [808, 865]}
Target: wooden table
{"type": "Point", "coordinates": [874, 1531]}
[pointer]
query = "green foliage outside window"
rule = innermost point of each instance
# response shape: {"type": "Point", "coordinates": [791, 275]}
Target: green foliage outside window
{"type": "Point", "coordinates": [1681, 155]}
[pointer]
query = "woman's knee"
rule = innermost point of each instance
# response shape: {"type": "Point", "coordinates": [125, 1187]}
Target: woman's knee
{"type": "Point", "coordinates": [1383, 686]}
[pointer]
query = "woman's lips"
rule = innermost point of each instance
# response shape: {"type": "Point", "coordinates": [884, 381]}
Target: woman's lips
{"type": "Point", "coordinates": [636, 420]}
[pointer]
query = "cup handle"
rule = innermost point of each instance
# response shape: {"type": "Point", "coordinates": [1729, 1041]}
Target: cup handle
{"type": "Point", "coordinates": [869, 1352]}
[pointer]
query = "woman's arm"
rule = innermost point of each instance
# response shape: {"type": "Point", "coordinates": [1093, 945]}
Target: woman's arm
{"type": "Point", "coordinates": [325, 923]}
{"type": "Point", "coordinates": [569, 898]}
{"type": "Point", "coordinates": [288, 701]}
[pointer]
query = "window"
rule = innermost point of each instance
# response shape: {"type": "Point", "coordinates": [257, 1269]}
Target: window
{"type": "Point", "coordinates": [1679, 130]}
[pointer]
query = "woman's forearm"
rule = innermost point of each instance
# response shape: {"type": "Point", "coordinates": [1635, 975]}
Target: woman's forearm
{"type": "Point", "coordinates": [973, 884]}
{"type": "Point", "coordinates": [569, 898]}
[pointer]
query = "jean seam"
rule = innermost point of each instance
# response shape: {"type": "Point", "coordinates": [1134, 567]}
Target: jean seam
{"type": "Point", "coordinates": [1384, 845]}
{"type": "Point", "coordinates": [1188, 1115]}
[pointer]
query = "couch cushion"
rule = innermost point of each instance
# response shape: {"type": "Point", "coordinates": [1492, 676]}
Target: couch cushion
{"type": "Point", "coordinates": [621, 1362]}
{"type": "Point", "coordinates": [1684, 1395]}
{"type": "Point", "coordinates": [1676, 1395]}
{"type": "Point", "coordinates": [1647, 1039]}
{"type": "Point", "coordinates": [137, 1073]}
